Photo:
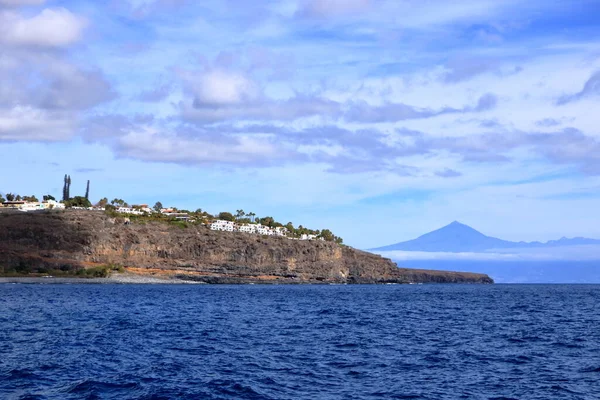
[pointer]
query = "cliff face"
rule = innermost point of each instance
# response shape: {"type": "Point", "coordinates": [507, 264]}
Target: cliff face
{"type": "Point", "coordinates": [79, 239]}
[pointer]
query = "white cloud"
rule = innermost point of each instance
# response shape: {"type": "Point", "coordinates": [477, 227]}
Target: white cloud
{"type": "Point", "coordinates": [18, 3]}
{"type": "Point", "coordinates": [146, 143]}
{"type": "Point", "coordinates": [71, 87]}
{"type": "Point", "coordinates": [51, 28]}
{"type": "Point", "coordinates": [31, 124]}
{"type": "Point", "coordinates": [265, 110]}
{"type": "Point", "coordinates": [566, 253]}
{"type": "Point", "coordinates": [328, 8]}
{"type": "Point", "coordinates": [220, 88]}
{"type": "Point", "coordinates": [48, 81]}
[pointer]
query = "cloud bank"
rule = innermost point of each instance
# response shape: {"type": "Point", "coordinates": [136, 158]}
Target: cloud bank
{"type": "Point", "coordinates": [567, 253]}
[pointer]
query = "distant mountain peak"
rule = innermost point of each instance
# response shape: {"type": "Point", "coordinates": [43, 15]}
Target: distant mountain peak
{"type": "Point", "coordinates": [457, 224]}
{"type": "Point", "coordinates": [456, 228]}
{"type": "Point", "coordinates": [457, 237]}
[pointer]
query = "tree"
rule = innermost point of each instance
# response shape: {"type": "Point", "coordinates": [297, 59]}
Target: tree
{"type": "Point", "coordinates": [158, 206]}
{"type": "Point", "coordinates": [239, 214]}
{"type": "Point", "coordinates": [251, 215]}
{"type": "Point", "coordinates": [2, 199]}
{"type": "Point", "coordinates": [65, 197]}
{"type": "Point", "coordinates": [226, 216]}
{"type": "Point", "coordinates": [69, 187]}
{"type": "Point", "coordinates": [31, 199]}
{"type": "Point", "coordinates": [18, 198]}
{"type": "Point", "coordinates": [87, 190]}
{"type": "Point", "coordinates": [102, 203]}
{"type": "Point", "coordinates": [48, 197]}
{"type": "Point", "coordinates": [10, 197]}
{"type": "Point", "coordinates": [119, 202]}
{"type": "Point", "coordinates": [267, 221]}
{"type": "Point", "coordinates": [327, 235]}
{"type": "Point", "coordinates": [78, 201]}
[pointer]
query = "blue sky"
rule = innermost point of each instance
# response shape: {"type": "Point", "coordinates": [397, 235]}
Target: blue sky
{"type": "Point", "coordinates": [380, 120]}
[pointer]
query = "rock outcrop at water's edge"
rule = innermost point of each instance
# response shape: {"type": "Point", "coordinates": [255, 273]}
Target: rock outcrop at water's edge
{"type": "Point", "coordinates": [81, 239]}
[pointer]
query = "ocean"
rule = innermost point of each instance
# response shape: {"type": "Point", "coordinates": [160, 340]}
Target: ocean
{"type": "Point", "coordinates": [558, 271]}
{"type": "Point", "coordinates": [299, 342]}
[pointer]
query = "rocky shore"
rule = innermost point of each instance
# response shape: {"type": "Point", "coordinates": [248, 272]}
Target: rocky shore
{"type": "Point", "coordinates": [115, 278]}
{"type": "Point", "coordinates": [70, 241]}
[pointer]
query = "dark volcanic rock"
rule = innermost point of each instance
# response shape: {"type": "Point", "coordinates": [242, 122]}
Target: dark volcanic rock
{"type": "Point", "coordinates": [78, 239]}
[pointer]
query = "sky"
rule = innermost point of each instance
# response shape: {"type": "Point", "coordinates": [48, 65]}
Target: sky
{"type": "Point", "coordinates": [380, 120]}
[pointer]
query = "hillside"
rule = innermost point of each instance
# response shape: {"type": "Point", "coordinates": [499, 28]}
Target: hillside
{"type": "Point", "coordinates": [75, 240]}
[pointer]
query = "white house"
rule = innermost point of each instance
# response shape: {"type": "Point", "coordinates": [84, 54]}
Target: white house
{"type": "Point", "coordinates": [309, 237]}
{"type": "Point", "coordinates": [247, 228]}
{"type": "Point", "coordinates": [32, 206]}
{"type": "Point", "coordinates": [129, 210]}
{"type": "Point", "coordinates": [53, 204]}
{"type": "Point", "coordinates": [230, 226]}
{"type": "Point", "coordinates": [143, 207]}
{"type": "Point", "coordinates": [263, 230]}
{"type": "Point", "coordinates": [220, 225]}
{"type": "Point", "coordinates": [281, 231]}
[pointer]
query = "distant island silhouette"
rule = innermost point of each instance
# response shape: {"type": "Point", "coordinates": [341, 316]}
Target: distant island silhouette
{"type": "Point", "coordinates": [457, 238]}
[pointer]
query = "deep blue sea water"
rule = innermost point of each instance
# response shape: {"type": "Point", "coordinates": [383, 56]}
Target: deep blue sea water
{"type": "Point", "coordinates": [299, 342]}
{"type": "Point", "coordinates": [518, 271]}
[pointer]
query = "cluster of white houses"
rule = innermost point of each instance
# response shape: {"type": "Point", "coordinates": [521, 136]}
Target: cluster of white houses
{"type": "Point", "coordinates": [135, 210]}
{"type": "Point", "coordinates": [33, 205]}
{"type": "Point", "coordinates": [230, 226]}
{"type": "Point", "coordinates": [218, 225]}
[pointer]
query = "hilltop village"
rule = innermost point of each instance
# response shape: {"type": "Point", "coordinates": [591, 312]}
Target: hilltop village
{"type": "Point", "coordinates": [241, 221]}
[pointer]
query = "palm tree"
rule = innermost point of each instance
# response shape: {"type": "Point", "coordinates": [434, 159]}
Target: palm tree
{"type": "Point", "coordinates": [239, 213]}
{"type": "Point", "coordinates": [251, 215]}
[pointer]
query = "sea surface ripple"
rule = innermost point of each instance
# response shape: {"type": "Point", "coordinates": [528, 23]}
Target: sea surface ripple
{"type": "Point", "coordinates": [299, 342]}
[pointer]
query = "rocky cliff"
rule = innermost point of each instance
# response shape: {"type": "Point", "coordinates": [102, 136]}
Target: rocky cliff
{"type": "Point", "coordinates": [74, 240]}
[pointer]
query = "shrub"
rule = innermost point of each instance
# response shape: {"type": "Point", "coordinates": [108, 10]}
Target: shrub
{"type": "Point", "coordinates": [98, 272]}
{"type": "Point", "coordinates": [179, 223]}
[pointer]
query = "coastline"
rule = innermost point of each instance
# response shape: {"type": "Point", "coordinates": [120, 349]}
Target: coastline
{"type": "Point", "coordinates": [64, 244]}
{"type": "Point", "coordinates": [125, 279]}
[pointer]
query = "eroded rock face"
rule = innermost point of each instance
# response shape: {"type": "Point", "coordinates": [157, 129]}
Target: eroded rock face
{"type": "Point", "coordinates": [77, 239]}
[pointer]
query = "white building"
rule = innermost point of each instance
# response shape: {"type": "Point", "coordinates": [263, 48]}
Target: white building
{"type": "Point", "coordinates": [230, 226]}
{"type": "Point", "coordinates": [220, 225]}
{"type": "Point", "coordinates": [53, 205]}
{"type": "Point", "coordinates": [143, 207]}
{"type": "Point", "coordinates": [281, 231]}
{"type": "Point", "coordinates": [263, 230]}
{"type": "Point", "coordinates": [32, 206]}
{"type": "Point", "coordinates": [129, 210]}
{"type": "Point", "coordinates": [247, 228]}
{"type": "Point", "coordinates": [309, 237]}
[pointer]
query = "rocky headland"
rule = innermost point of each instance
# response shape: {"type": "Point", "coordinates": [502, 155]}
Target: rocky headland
{"type": "Point", "coordinates": [72, 241]}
